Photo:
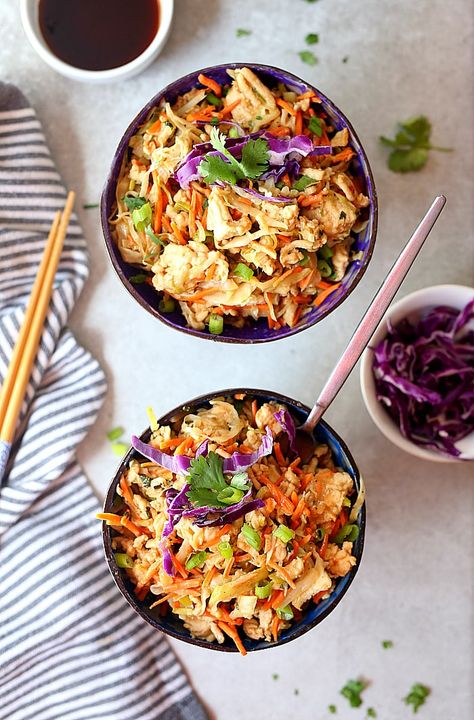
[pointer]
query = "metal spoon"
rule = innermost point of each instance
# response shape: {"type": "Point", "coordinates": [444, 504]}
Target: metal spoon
{"type": "Point", "coordinates": [305, 442]}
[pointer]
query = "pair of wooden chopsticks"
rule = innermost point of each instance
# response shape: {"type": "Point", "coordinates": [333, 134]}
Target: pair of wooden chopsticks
{"type": "Point", "coordinates": [18, 374]}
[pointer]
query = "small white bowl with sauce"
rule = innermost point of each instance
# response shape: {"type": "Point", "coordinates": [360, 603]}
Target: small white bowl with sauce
{"type": "Point", "coordinates": [77, 38]}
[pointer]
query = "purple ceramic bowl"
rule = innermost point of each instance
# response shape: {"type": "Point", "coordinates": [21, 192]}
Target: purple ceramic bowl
{"type": "Point", "coordinates": [258, 331]}
{"type": "Point", "coordinates": [312, 614]}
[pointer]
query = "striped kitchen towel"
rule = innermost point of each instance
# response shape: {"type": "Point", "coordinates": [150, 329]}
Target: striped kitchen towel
{"type": "Point", "coordinates": [70, 646]}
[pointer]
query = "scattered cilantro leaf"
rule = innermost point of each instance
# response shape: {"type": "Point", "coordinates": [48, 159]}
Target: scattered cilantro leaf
{"type": "Point", "coordinates": [312, 38]}
{"type": "Point", "coordinates": [275, 676]}
{"type": "Point", "coordinates": [255, 157]}
{"type": "Point", "coordinates": [352, 690]}
{"type": "Point", "coordinates": [417, 696]}
{"type": "Point", "coordinates": [213, 168]}
{"type": "Point", "coordinates": [332, 709]}
{"type": "Point", "coordinates": [311, 1]}
{"type": "Point", "coordinates": [315, 126]}
{"type": "Point", "coordinates": [371, 713]}
{"type": "Point", "coordinates": [89, 206]}
{"type": "Point", "coordinates": [308, 57]}
{"type": "Point", "coordinates": [242, 32]}
{"type": "Point", "coordinates": [411, 145]}
{"type": "Point", "coordinates": [138, 279]}
{"type": "Point", "coordinates": [386, 644]}
{"type": "Point", "coordinates": [115, 433]}
{"type": "Point", "coordinates": [133, 203]}
{"type": "Point", "coordinates": [345, 58]}
{"type": "Point", "coordinates": [207, 484]}
{"type": "Point", "coordinates": [253, 163]}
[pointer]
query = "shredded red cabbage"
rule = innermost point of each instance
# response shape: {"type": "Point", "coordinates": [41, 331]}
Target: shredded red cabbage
{"type": "Point", "coordinates": [241, 461]}
{"type": "Point", "coordinates": [210, 517]}
{"type": "Point", "coordinates": [178, 464]}
{"type": "Point", "coordinates": [424, 377]}
{"type": "Point", "coordinates": [287, 423]}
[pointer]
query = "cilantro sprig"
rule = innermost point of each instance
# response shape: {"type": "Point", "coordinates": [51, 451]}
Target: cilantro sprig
{"type": "Point", "coordinates": [208, 485]}
{"type": "Point", "coordinates": [417, 696]}
{"type": "Point", "coordinates": [352, 691]}
{"type": "Point", "coordinates": [411, 145]}
{"type": "Point", "coordinates": [253, 162]}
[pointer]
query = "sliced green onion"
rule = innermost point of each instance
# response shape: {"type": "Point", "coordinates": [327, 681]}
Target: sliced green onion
{"type": "Point", "coordinates": [324, 268]}
{"type": "Point", "coordinates": [152, 418]}
{"type": "Point", "coordinates": [243, 271]}
{"type": "Point", "coordinates": [196, 559]}
{"type": "Point", "coordinates": [132, 202]}
{"type": "Point", "coordinates": [263, 591]}
{"type": "Point", "coordinates": [346, 502]}
{"type": "Point", "coordinates": [216, 324]}
{"type": "Point", "coordinates": [214, 121]}
{"type": "Point", "coordinates": [119, 448]}
{"type": "Point", "coordinates": [325, 252]}
{"type": "Point", "coordinates": [230, 495]}
{"type": "Point", "coordinates": [305, 259]}
{"type": "Point", "coordinates": [303, 182]}
{"type": "Point", "coordinates": [167, 305]}
{"type": "Point", "coordinates": [234, 133]}
{"type": "Point", "coordinates": [283, 533]}
{"type": "Point", "coordinates": [315, 126]}
{"type": "Point", "coordinates": [155, 238]}
{"type": "Point", "coordinates": [240, 480]}
{"type": "Point", "coordinates": [225, 549]}
{"type": "Point", "coordinates": [138, 279]}
{"type": "Point", "coordinates": [285, 613]}
{"type": "Point", "coordinates": [252, 536]}
{"type": "Point", "coordinates": [142, 216]}
{"type": "Point", "coordinates": [123, 560]}
{"type": "Point", "coordinates": [115, 433]}
{"type": "Point", "coordinates": [213, 99]}
{"type": "Point", "coordinates": [349, 532]}
{"type": "Point", "coordinates": [181, 205]}
{"type": "Point", "coordinates": [319, 534]}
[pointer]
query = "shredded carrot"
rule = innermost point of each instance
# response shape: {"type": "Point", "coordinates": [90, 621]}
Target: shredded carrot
{"type": "Point", "coordinates": [192, 214]}
{"type": "Point", "coordinates": [156, 127]}
{"type": "Point", "coordinates": [225, 529]}
{"type": "Point", "coordinates": [278, 454]}
{"type": "Point", "coordinates": [228, 108]}
{"type": "Point", "coordinates": [232, 632]}
{"type": "Point", "coordinates": [167, 224]}
{"type": "Point", "coordinates": [209, 577]}
{"type": "Point", "coordinates": [299, 509]}
{"type": "Point", "coordinates": [211, 84]}
{"type": "Point", "coordinates": [171, 443]}
{"type": "Point", "coordinates": [323, 295]}
{"type": "Point", "coordinates": [282, 572]}
{"type": "Point", "coordinates": [294, 498]}
{"type": "Point", "coordinates": [324, 546]}
{"type": "Point", "coordinates": [126, 492]}
{"type": "Point", "coordinates": [307, 94]}
{"type": "Point", "coordinates": [179, 567]}
{"type": "Point", "coordinates": [274, 599]}
{"type": "Point", "coordinates": [280, 130]}
{"type": "Point", "coordinates": [283, 238]}
{"type": "Point", "coordinates": [178, 234]}
{"type": "Point", "coordinates": [299, 123]}
{"type": "Point", "coordinates": [228, 567]}
{"type": "Point", "coordinates": [280, 497]}
{"type": "Point", "coordinates": [157, 219]}
{"type": "Point", "coordinates": [306, 281]}
{"type": "Point", "coordinates": [239, 396]}
{"type": "Point", "coordinates": [342, 156]}
{"type": "Point", "coordinates": [110, 518]}
{"type": "Point", "coordinates": [199, 295]}
{"type": "Point", "coordinates": [185, 445]}
{"type": "Point", "coordinates": [142, 592]}
{"type": "Point", "coordinates": [307, 200]}
{"type": "Point", "coordinates": [318, 596]}
{"type": "Point", "coordinates": [275, 627]}
{"type": "Point", "coordinates": [286, 106]}
{"type": "Point", "coordinates": [254, 410]}
{"type": "Point", "coordinates": [134, 529]}
{"type": "Point", "coordinates": [323, 285]}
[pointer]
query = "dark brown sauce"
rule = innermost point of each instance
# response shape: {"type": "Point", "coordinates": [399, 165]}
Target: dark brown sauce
{"type": "Point", "coordinates": [98, 34]}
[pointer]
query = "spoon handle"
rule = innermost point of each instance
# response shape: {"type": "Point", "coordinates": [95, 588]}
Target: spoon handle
{"type": "Point", "coordinates": [374, 314]}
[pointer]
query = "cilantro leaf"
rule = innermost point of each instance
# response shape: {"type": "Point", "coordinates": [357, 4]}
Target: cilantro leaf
{"type": "Point", "coordinates": [213, 168]}
{"type": "Point", "coordinates": [133, 203]}
{"type": "Point", "coordinates": [208, 486]}
{"type": "Point", "coordinates": [255, 157]}
{"type": "Point", "coordinates": [387, 644]}
{"type": "Point", "coordinates": [308, 57]}
{"type": "Point", "coordinates": [411, 145]}
{"type": "Point", "coordinates": [312, 38]}
{"type": "Point", "coordinates": [417, 696]}
{"type": "Point", "coordinates": [242, 32]}
{"type": "Point", "coordinates": [352, 690]}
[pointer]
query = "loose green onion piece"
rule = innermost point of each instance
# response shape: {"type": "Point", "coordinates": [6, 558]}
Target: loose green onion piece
{"type": "Point", "coordinates": [115, 433]}
{"type": "Point", "coordinates": [386, 644]}
{"type": "Point", "coordinates": [166, 305]}
{"type": "Point", "coordinates": [283, 533]}
{"type": "Point", "coordinates": [324, 268]}
{"type": "Point", "coordinates": [225, 549]}
{"type": "Point", "coordinates": [234, 133]}
{"type": "Point", "coordinates": [152, 418]}
{"type": "Point", "coordinates": [123, 560]}
{"type": "Point", "coordinates": [285, 613]}
{"type": "Point", "coordinates": [142, 216]}
{"type": "Point", "coordinates": [216, 324]}
{"type": "Point", "coordinates": [312, 38]}
{"type": "Point", "coordinates": [230, 495]}
{"type": "Point", "coordinates": [263, 591]}
{"type": "Point", "coordinates": [196, 559]}
{"type": "Point", "coordinates": [214, 121]}
{"type": "Point", "coordinates": [303, 182]}
{"type": "Point", "coordinates": [90, 206]}
{"type": "Point", "coordinates": [243, 271]}
{"type": "Point", "coordinates": [346, 502]}
{"type": "Point", "coordinates": [349, 532]}
{"type": "Point", "coordinates": [252, 536]}
{"type": "Point", "coordinates": [155, 238]}
{"type": "Point", "coordinates": [213, 99]}
{"type": "Point", "coordinates": [315, 126]}
{"type": "Point", "coordinates": [325, 252]}
{"type": "Point", "coordinates": [371, 713]}
{"type": "Point", "coordinates": [242, 32]}
{"type": "Point", "coordinates": [185, 601]}
{"type": "Point", "coordinates": [132, 203]}
{"type": "Point", "coordinates": [119, 448]}
{"type": "Point", "coordinates": [138, 279]}
{"type": "Point", "coordinates": [240, 480]}
{"type": "Point", "coordinates": [275, 676]}
{"type": "Point", "coordinates": [308, 57]}
{"type": "Point", "coordinates": [305, 259]}
{"type": "Point", "coordinates": [319, 534]}
{"type": "Point", "coordinates": [332, 709]}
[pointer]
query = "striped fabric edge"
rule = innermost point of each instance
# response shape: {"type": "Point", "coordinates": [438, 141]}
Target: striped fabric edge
{"type": "Point", "coordinates": [70, 646]}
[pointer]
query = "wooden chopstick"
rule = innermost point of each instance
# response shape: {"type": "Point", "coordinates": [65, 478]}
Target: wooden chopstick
{"type": "Point", "coordinates": [26, 347]}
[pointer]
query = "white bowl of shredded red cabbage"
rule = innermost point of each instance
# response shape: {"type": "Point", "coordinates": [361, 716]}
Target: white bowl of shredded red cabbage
{"type": "Point", "coordinates": [417, 376]}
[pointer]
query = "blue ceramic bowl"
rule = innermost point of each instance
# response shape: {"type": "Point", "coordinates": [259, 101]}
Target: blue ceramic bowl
{"type": "Point", "coordinates": [314, 614]}
{"type": "Point", "coordinates": [258, 331]}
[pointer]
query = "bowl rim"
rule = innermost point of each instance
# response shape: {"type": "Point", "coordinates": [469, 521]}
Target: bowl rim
{"type": "Point", "coordinates": [117, 161]}
{"type": "Point", "coordinates": [407, 305]}
{"type": "Point", "coordinates": [130, 597]}
{"type": "Point", "coordinates": [39, 44]}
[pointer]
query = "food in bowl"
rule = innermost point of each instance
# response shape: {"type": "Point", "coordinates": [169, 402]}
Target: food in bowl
{"type": "Point", "coordinates": [241, 201]}
{"type": "Point", "coordinates": [227, 528]}
{"type": "Point", "coordinates": [424, 377]}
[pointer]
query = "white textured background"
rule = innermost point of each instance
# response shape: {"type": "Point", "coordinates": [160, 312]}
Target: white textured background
{"type": "Point", "coordinates": [416, 581]}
